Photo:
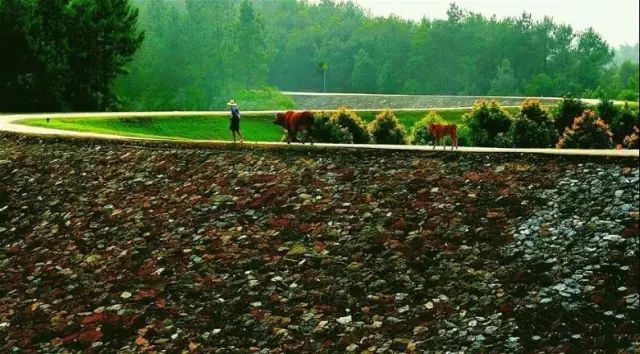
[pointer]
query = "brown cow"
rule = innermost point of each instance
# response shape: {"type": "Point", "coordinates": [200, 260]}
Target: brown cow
{"type": "Point", "coordinates": [294, 122]}
{"type": "Point", "coordinates": [439, 131]}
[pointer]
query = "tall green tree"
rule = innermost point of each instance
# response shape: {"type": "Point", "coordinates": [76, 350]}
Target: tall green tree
{"type": "Point", "coordinates": [102, 37]}
{"type": "Point", "coordinates": [592, 54]}
{"type": "Point", "coordinates": [197, 53]}
{"type": "Point", "coordinates": [505, 81]}
{"type": "Point", "coordinates": [64, 54]}
{"type": "Point", "coordinates": [156, 78]}
{"type": "Point", "coordinates": [251, 51]}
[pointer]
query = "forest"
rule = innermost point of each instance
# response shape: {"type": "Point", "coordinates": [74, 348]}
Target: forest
{"type": "Point", "coordinates": [198, 50]}
{"type": "Point", "coordinates": [190, 54]}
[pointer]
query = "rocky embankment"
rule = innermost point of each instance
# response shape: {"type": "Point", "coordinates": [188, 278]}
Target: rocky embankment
{"type": "Point", "coordinates": [109, 247]}
{"type": "Point", "coordinates": [375, 102]}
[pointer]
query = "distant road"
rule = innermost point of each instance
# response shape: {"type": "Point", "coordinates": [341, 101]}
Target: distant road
{"type": "Point", "coordinates": [301, 93]}
{"type": "Point", "coordinates": [330, 100]}
{"type": "Point", "coordinates": [406, 95]}
{"type": "Point", "coordinates": [10, 123]}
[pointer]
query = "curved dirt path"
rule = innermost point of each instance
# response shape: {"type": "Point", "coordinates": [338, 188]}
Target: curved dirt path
{"type": "Point", "coordinates": [11, 123]}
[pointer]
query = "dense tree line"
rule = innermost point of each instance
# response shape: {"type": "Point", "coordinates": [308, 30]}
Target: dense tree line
{"type": "Point", "coordinates": [466, 53]}
{"type": "Point", "coordinates": [61, 55]}
{"type": "Point", "coordinates": [198, 53]}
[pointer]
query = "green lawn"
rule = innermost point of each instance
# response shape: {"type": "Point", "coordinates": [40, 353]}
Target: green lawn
{"type": "Point", "coordinates": [254, 127]}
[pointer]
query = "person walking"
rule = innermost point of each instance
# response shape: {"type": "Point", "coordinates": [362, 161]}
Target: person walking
{"type": "Point", "coordinates": [235, 121]}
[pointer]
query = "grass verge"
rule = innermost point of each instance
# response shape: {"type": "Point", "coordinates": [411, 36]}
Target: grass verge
{"type": "Point", "coordinates": [254, 127]}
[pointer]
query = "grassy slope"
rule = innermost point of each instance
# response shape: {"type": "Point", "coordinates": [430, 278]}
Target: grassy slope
{"type": "Point", "coordinates": [258, 128]}
{"type": "Point", "coordinates": [254, 127]}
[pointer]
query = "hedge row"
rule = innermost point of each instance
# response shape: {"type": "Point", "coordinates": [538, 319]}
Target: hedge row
{"type": "Point", "coordinates": [570, 124]}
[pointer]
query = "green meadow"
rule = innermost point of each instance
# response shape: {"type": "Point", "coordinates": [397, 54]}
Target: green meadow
{"type": "Point", "coordinates": [255, 127]}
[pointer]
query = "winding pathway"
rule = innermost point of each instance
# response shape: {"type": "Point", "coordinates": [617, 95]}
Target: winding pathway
{"type": "Point", "coordinates": [11, 123]}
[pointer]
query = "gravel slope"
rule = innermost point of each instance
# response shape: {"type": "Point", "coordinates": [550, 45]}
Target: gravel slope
{"type": "Point", "coordinates": [111, 247]}
{"type": "Point", "coordinates": [305, 100]}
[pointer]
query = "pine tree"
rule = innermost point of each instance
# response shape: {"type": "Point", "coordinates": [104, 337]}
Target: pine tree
{"type": "Point", "coordinates": [64, 55]}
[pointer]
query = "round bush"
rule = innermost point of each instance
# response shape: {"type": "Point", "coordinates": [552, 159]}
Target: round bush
{"type": "Point", "coordinates": [623, 123]}
{"type": "Point", "coordinates": [606, 110]}
{"type": "Point", "coordinates": [533, 128]}
{"type": "Point", "coordinates": [326, 130]}
{"type": "Point", "coordinates": [505, 140]}
{"type": "Point", "coordinates": [486, 121]}
{"type": "Point", "coordinates": [587, 132]}
{"type": "Point", "coordinates": [566, 111]}
{"type": "Point", "coordinates": [420, 134]}
{"type": "Point", "coordinates": [464, 135]}
{"type": "Point", "coordinates": [354, 124]}
{"type": "Point", "coordinates": [386, 129]}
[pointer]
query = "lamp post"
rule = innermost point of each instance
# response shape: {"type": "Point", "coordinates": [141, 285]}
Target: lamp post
{"type": "Point", "coordinates": [324, 67]}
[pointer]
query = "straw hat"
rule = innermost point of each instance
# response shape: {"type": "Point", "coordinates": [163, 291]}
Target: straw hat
{"type": "Point", "coordinates": [232, 103]}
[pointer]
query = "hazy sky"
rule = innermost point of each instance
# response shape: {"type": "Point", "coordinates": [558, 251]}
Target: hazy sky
{"type": "Point", "coordinates": [615, 20]}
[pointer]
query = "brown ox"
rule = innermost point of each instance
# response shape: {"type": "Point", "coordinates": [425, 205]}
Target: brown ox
{"type": "Point", "coordinates": [439, 131]}
{"type": "Point", "coordinates": [294, 122]}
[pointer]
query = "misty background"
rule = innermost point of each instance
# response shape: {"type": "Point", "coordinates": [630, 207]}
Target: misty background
{"type": "Point", "coordinates": [197, 50]}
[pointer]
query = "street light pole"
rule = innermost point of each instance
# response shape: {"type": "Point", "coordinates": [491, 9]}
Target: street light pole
{"type": "Point", "coordinates": [324, 71]}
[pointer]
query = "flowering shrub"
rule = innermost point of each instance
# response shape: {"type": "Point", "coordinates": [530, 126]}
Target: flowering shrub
{"type": "Point", "coordinates": [587, 132]}
{"type": "Point", "coordinates": [623, 123]}
{"type": "Point", "coordinates": [631, 140]}
{"type": "Point", "coordinates": [606, 110]}
{"type": "Point", "coordinates": [566, 111]}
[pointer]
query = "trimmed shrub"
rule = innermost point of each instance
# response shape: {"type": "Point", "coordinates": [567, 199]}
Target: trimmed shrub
{"type": "Point", "coordinates": [354, 124]}
{"type": "Point", "coordinates": [326, 130]}
{"type": "Point", "coordinates": [631, 140]}
{"type": "Point", "coordinates": [623, 123]}
{"type": "Point", "coordinates": [587, 132]}
{"type": "Point", "coordinates": [486, 121]}
{"type": "Point", "coordinates": [504, 140]}
{"type": "Point", "coordinates": [386, 129]}
{"type": "Point", "coordinates": [606, 110]}
{"type": "Point", "coordinates": [566, 111]}
{"type": "Point", "coordinates": [420, 134]}
{"type": "Point", "coordinates": [464, 135]}
{"type": "Point", "coordinates": [533, 128]}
